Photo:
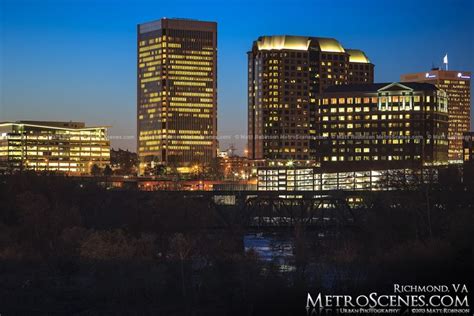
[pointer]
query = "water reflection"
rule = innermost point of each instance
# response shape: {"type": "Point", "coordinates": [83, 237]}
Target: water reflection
{"type": "Point", "coordinates": [272, 247]}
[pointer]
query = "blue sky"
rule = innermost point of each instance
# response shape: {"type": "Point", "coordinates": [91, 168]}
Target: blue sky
{"type": "Point", "coordinates": [75, 59]}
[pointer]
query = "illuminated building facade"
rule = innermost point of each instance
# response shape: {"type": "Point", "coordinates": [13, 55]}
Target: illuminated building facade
{"type": "Point", "coordinates": [234, 167]}
{"type": "Point", "coordinates": [457, 85]}
{"type": "Point", "coordinates": [67, 147]}
{"type": "Point", "coordinates": [366, 134]}
{"type": "Point", "coordinates": [285, 75]}
{"type": "Point", "coordinates": [177, 93]}
{"type": "Point", "coordinates": [468, 147]}
{"type": "Point", "coordinates": [468, 157]}
{"type": "Point", "coordinates": [313, 179]}
{"type": "Point", "coordinates": [382, 126]}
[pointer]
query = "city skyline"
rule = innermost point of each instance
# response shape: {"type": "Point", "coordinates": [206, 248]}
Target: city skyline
{"type": "Point", "coordinates": [73, 87]}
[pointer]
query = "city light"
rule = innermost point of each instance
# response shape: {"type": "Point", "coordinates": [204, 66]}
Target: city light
{"type": "Point", "coordinates": [258, 162]}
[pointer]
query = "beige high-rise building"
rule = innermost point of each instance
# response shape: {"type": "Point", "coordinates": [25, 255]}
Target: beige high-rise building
{"type": "Point", "coordinates": [176, 94]}
{"type": "Point", "coordinates": [457, 85]}
{"type": "Point", "coordinates": [285, 75]}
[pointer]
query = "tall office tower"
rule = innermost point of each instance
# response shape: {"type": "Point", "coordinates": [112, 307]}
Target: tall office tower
{"type": "Point", "coordinates": [177, 93]}
{"type": "Point", "coordinates": [285, 74]}
{"type": "Point", "coordinates": [457, 85]}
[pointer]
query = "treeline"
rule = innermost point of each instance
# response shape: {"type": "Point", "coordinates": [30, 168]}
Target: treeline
{"type": "Point", "coordinates": [68, 247]}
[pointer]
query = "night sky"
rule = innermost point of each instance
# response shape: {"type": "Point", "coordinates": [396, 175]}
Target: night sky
{"type": "Point", "coordinates": [76, 60]}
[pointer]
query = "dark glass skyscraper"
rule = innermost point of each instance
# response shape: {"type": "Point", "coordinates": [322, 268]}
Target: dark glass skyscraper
{"type": "Point", "coordinates": [177, 93]}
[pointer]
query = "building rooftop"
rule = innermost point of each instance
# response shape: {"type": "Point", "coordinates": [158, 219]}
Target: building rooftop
{"type": "Point", "coordinates": [357, 56]}
{"type": "Point", "coordinates": [329, 45]}
{"type": "Point", "coordinates": [290, 42]}
{"type": "Point", "coordinates": [325, 44]}
{"type": "Point", "coordinates": [69, 124]}
{"type": "Point", "coordinates": [435, 74]}
{"type": "Point", "coordinates": [373, 87]}
{"type": "Point", "coordinates": [177, 23]}
{"type": "Point", "coordinates": [283, 42]}
{"type": "Point", "coordinates": [53, 124]}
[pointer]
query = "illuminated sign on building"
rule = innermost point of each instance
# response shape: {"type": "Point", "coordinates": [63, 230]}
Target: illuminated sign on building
{"type": "Point", "coordinates": [460, 75]}
{"type": "Point", "coordinates": [428, 75]}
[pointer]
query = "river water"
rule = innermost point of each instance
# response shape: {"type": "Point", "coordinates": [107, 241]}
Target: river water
{"type": "Point", "coordinates": [272, 247]}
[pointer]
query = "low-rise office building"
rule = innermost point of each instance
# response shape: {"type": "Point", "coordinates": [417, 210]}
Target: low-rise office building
{"type": "Point", "coordinates": [316, 179]}
{"type": "Point", "coordinates": [381, 126]}
{"type": "Point", "coordinates": [368, 135]}
{"type": "Point", "coordinates": [66, 147]}
{"type": "Point", "coordinates": [313, 179]}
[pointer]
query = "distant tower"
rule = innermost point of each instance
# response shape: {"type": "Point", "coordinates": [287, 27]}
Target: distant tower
{"type": "Point", "coordinates": [457, 85]}
{"type": "Point", "coordinates": [231, 150]}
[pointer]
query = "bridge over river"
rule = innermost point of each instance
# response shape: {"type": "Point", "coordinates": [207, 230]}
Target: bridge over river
{"type": "Point", "coordinates": [317, 210]}
{"type": "Point", "coordinates": [282, 209]}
